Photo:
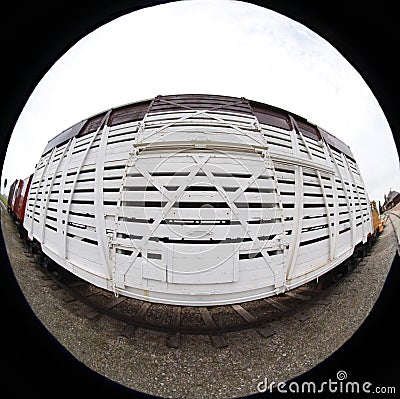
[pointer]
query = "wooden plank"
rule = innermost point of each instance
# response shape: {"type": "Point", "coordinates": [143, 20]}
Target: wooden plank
{"type": "Point", "coordinates": [81, 232]}
{"type": "Point", "coordinates": [220, 231]}
{"type": "Point", "coordinates": [276, 304]}
{"type": "Point", "coordinates": [207, 140]}
{"type": "Point", "coordinates": [121, 137]}
{"type": "Point", "coordinates": [297, 295]}
{"type": "Point", "coordinates": [256, 274]}
{"type": "Point", "coordinates": [207, 318]}
{"type": "Point", "coordinates": [115, 169]}
{"type": "Point", "coordinates": [282, 135]}
{"type": "Point", "coordinates": [67, 298]}
{"type": "Point", "coordinates": [191, 267]}
{"type": "Point", "coordinates": [95, 291]}
{"type": "Point", "coordinates": [82, 220]}
{"type": "Point", "coordinates": [130, 329]}
{"type": "Point", "coordinates": [91, 314]}
{"type": "Point", "coordinates": [308, 189]}
{"type": "Point", "coordinates": [312, 254]}
{"type": "Point", "coordinates": [77, 283]}
{"type": "Point", "coordinates": [265, 331]}
{"type": "Point", "coordinates": [85, 255]}
{"type": "Point", "coordinates": [176, 316]}
{"type": "Point", "coordinates": [202, 195]}
{"type": "Point", "coordinates": [313, 234]}
{"type": "Point", "coordinates": [244, 313]}
{"type": "Point", "coordinates": [307, 223]}
{"type": "Point", "coordinates": [218, 341]}
{"type": "Point", "coordinates": [301, 316]}
{"type": "Point", "coordinates": [81, 208]}
{"type": "Point", "coordinates": [124, 128]}
{"type": "Point", "coordinates": [280, 141]}
{"type": "Point", "coordinates": [174, 338]}
{"type": "Point", "coordinates": [135, 180]}
{"type": "Point", "coordinates": [305, 288]}
{"type": "Point", "coordinates": [316, 200]}
{"type": "Point", "coordinates": [55, 287]}
{"type": "Point", "coordinates": [115, 302]}
{"type": "Point", "coordinates": [207, 120]}
{"type": "Point", "coordinates": [142, 311]}
{"type": "Point", "coordinates": [141, 212]}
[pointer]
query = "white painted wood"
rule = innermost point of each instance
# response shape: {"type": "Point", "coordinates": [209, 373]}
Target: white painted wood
{"type": "Point", "coordinates": [41, 171]}
{"type": "Point", "coordinates": [298, 211]}
{"type": "Point", "coordinates": [79, 167]}
{"type": "Point", "coordinates": [100, 232]}
{"type": "Point", "coordinates": [61, 227]}
{"type": "Point", "coordinates": [325, 198]}
{"type": "Point", "coordinates": [120, 272]}
{"type": "Point", "coordinates": [138, 207]}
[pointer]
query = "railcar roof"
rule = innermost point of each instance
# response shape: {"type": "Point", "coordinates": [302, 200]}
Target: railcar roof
{"type": "Point", "coordinates": [265, 113]}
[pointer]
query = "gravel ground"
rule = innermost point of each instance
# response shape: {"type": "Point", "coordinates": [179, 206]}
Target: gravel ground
{"type": "Point", "coordinates": [196, 369]}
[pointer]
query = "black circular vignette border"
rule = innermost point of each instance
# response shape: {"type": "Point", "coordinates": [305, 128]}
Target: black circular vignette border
{"type": "Point", "coordinates": [35, 34]}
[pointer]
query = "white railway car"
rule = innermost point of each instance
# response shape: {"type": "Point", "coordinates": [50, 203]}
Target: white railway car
{"type": "Point", "coordinates": [197, 200]}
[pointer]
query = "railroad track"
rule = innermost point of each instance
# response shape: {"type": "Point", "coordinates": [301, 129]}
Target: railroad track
{"type": "Point", "coordinates": [175, 321]}
{"type": "Point", "coordinates": [395, 230]}
{"type": "Point", "coordinates": [179, 320]}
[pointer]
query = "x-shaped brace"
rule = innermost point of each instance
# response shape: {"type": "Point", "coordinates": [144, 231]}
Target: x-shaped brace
{"type": "Point", "coordinates": [230, 201]}
{"type": "Point", "coordinates": [173, 197]}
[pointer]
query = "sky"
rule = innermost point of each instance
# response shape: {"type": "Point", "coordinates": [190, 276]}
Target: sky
{"type": "Point", "coordinates": [212, 47]}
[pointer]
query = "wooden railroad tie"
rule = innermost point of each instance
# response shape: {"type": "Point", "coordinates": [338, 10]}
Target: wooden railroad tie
{"type": "Point", "coordinates": [265, 331]}
{"type": "Point", "coordinates": [217, 340]}
{"type": "Point", "coordinates": [130, 329]}
{"type": "Point", "coordinates": [174, 338]}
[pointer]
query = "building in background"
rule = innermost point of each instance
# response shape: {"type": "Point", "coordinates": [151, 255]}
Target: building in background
{"type": "Point", "coordinates": [391, 200]}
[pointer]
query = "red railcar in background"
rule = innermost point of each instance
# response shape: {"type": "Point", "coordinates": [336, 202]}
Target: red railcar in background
{"type": "Point", "coordinates": [11, 196]}
{"type": "Point", "coordinates": [17, 201]}
{"type": "Point", "coordinates": [21, 197]}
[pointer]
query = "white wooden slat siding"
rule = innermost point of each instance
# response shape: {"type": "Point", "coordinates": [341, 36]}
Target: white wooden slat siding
{"type": "Point", "coordinates": [352, 185]}
{"type": "Point", "coordinates": [197, 206]}
{"type": "Point", "coordinates": [342, 182]}
{"type": "Point", "coordinates": [248, 183]}
{"type": "Point", "coordinates": [353, 202]}
{"type": "Point", "coordinates": [230, 201]}
{"type": "Point", "coordinates": [370, 229]}
{"type": "Point", "coordinates": [298, 213]}
{"type": "Point", "coordinates": [121, 272]}
{"type": "Point", "coordinates": [353, 180]}
{"type": "Point", "coordinates": [52, 179]}
{"type": "Point", "coordinates": [39, 177]}
{"type": "Point", "coordinates": [74, 180]}
{"type": "Point", "coordinates": [101, 237]}
{"type": "Point", "coordinates": [326, 202]}
{"type": "Point", "coordinates": [335, 201]}
{"type": "Point", "coordinates": [61, 223]}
